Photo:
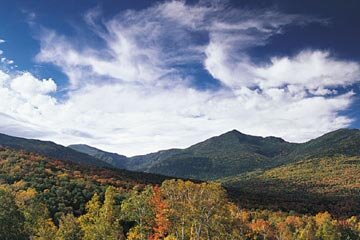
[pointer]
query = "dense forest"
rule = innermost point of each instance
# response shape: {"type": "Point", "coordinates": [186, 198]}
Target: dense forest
{"type": "Point", "coordinates": [307, 186]}
{"type": "Point", "coordinates": [41, 198]}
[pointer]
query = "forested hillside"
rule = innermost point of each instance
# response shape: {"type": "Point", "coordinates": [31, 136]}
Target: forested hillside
{"type": "Point", "coordinates": [42, 198]}
{"type": "Point", "coordinates": [312, 185]}
{"type": "Point", "coordinates": [64, 186]}
{"type": "Point", "coordinates": [233, 153]}
{"type": "Point", "coordinates": [282, 191]}
{"type": "Point", "coordinates": [114, 159]}
{"type": "Point", "coordinates": [49, 149]}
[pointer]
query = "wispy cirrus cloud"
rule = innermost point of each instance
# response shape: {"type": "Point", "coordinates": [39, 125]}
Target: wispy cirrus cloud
{"type": "Point", "coordinates": [136, 93]}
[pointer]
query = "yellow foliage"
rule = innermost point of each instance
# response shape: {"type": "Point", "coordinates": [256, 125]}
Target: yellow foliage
{"type": "Point", "coordinates": [23, 196]}
{"type": "Point", "coordinates": [135, 234]}
{"type": "Point", "coordinates": [321, 218]}
{"type": "Point", "coordinates": [19, 184]}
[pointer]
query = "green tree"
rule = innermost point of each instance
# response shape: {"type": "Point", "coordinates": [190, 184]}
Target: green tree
{"type": "Point", "coordinates": [47, 231]}
{"type": "Point", "coordinates": [326, 228]}
{"type": "Point", "coordinates": [110, 227]}
{"type": "Point", "coordinates": [38, 223]}
{"type": "Point", "coordinates": [101, 222]}
{"type": "Point", "coordinates": [197, 211]}
{"type": "Point", "coordinates": [11, 219]}
{"type": "Point", "coordinates": [89, 220]}
{"type": "Point", "coordinates": [69, 228]}
{"type": "Point", "coordinates": [309, 231]}
{"type": "Point", "coordinates": [137, 207]}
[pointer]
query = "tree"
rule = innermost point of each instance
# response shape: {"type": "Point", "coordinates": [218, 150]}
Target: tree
{"type": "Point", "coordinates": [110, 216]}
{"type": "Point", "coordinates": [11, 219]}
{"type": "Point", "coordinates": [137, 208]}
{"type": "Point", "coordinates": [197, 211]}
{"type": "Point", "coordinates": [101, 221]}
{"type": "Point", "coordinates": [38, 222]}
{"type": "Point", "coordinates": [162, 223]}
{"type": "Point", "coordinates": [309, 231]}
{"type": "Point", "coordinates": [89, 220]}
{"type": "Point", "coordinates": [326, 228]}
{"type": "Point", "coordinates": [262, 228]}
{"type": "Point", "coordinates": [69, 228]}
{"type": "Point", "coordinates": [47, 231]}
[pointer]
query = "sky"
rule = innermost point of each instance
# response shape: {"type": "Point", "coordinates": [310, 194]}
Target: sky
{"type": "Point", "coordinates": [139, 76]}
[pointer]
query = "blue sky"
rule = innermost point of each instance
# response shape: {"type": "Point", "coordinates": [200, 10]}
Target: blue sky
{"type": "Point", "coordinates": [140, 76]}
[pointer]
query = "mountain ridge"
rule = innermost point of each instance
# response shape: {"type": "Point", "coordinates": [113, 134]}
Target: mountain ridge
{"type": "Point", "coordinates": [113, 159]}
{"type": "Point", "coordinates": [266, 172]}
{"type": "Point", "coordinates": [229, 154]}
{"type": "Point", "coordinates": [234, 152]}
{"type": "Point", "coordinates": [49, 149]}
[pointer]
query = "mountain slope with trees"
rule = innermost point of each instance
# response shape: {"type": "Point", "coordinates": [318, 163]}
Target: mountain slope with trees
{"type": "Point", "coordinates": [234, 153]}
{"type": "Point", "coordinates": [49, 149]}
{"type": "Point", "coordinates": [44, 198]}
{"type": "Point", "coordinates": [62, 185]}
{"type": "Point", "coordinates": [114, 159]}
{"type": "Point", "coordinates": [310, 185]}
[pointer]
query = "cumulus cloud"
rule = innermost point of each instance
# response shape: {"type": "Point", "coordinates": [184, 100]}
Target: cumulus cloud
{"type": "Point", "coordinates": [2, 40]}
{"type": "Point", "coordinates": [29, 86]}
{"type": "Point", "coordinates": [137, 95]}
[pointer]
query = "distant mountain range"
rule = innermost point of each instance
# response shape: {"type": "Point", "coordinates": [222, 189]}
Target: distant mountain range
{"type": "Point", "coordinates": [231, 154]}
{"type": "Point", "coordinates": [260, 171]}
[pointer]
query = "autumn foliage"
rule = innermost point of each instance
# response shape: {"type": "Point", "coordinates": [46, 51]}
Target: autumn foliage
{"type": "Point", "coordinates": [48, 200]}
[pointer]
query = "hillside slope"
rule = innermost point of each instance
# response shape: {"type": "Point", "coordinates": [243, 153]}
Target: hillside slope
{"type": "Point", "coordinates": [114, 159]}
{"type": "Point", "coordinates": [62, 185]}
{"type": "Point", "coordinates": [225, 155]}
{"type": "Point", "coordinates": [340, 142]}
{"type": "Point", "coordinates": [49, 149]}
{"type": "Point", "coordinates": [233, 153]}
{"type": "Point", "coordinates": [311, 185]}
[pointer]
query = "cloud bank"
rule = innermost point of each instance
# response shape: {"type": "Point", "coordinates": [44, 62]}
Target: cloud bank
{"type": "Point", "coordinates": [137, 92]}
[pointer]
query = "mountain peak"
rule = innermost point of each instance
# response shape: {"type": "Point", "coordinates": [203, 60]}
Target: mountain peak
{"type": "Point", "coordinates": [234, 132]}
{"type": "Point", "coordinates": [237, 133]}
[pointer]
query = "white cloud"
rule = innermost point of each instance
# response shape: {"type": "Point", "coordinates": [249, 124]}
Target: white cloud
{"type": "Point", "coordinates": [2, 40]}
{"type": "Point", "coordinates": [29, 86]}
{"type": "Point", "coordinates": [314, 70]}
{"type": "Point", "coordinates": [132, 95]}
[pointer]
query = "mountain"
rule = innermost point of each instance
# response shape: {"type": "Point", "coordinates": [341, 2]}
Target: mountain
{"type": "Point", "coordinates": [322, 174]}
{"type": "Point", "coordinates": [340, 142]}
{"type": "Point", "coordinates": [228, 154]}
{"type": "Point", "coordinates": [49, 149]}
{"type": "Point", "coordinates": [330, 183]}
{"type": "Point", "coordinates": [261, 172]}
{"type": "Point", "coordinates": [233, 153]}
{"type": "Point", "coordinates": [114, 159]}
{"type": "Point", "coordinates": [65, 186]}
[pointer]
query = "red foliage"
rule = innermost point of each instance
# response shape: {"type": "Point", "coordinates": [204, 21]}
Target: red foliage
{"type": "Point", "coordinates": [162, 224]}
